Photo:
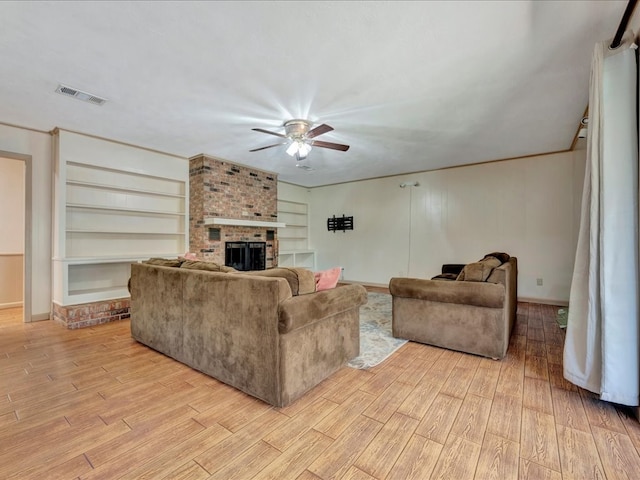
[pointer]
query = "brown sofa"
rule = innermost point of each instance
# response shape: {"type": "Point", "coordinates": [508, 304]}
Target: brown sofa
{"type": "Point", "coordinates": [474, 313]}
{"type": "Point", "coordinates": [247, 329]}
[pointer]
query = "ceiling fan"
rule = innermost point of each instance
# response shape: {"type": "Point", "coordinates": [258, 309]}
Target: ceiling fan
{"type": "Point", "coordinates": [299, 136]}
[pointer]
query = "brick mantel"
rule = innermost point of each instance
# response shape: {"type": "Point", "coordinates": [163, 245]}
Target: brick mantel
{"type": "Point", "coordinates": [242, 222]}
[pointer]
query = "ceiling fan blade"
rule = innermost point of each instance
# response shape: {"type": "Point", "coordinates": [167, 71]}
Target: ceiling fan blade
{"type": "Point", "coordinates": [319, 130]}
{"type": "Point", "coordinates": [333, 146]}
{"type": "Point", "coordinates": [268, 146]}
{"type": "Point", "coordinates": [269, 132]}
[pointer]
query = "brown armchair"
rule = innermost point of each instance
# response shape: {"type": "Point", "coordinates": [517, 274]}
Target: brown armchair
{"type": "Point", "coordinates": [473, 314]}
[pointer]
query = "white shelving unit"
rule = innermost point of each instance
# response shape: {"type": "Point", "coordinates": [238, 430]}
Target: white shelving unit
{"type": "Point", "coordinates": [294, 238]}
{"type": "Point", "coordinates": [114, 205]}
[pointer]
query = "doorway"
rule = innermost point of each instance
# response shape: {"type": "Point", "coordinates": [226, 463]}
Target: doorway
{"type": "Point", "coordinates": [15, 292]}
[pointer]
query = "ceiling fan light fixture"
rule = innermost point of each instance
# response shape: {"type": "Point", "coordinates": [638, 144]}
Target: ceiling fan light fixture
{"type": "Point", "coordinates": [300, 137]}
{"type": "Point", "coordinates": [304, 149]}
{"type": "Point", "coordinates": [292, 149]}
{"type": "Point", "coordinates": [299, 148]}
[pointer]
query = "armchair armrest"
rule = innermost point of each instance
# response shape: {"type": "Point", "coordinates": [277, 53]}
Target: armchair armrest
{"type": "Point", "coordinates": [480, 294]}
{"type": "Point", "coordinates": [303, 310]}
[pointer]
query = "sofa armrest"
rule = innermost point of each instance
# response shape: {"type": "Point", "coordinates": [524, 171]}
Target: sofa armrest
{"type": "Point", "coordinates": [296, 312]}
{"type": "Point", "coordinates": [480, 294]}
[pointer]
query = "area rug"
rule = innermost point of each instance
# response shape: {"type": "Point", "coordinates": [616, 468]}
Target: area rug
{"type": "Point", "coordinates": [376, 341]}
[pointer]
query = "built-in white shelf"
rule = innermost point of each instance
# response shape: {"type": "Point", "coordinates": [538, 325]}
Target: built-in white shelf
{"type": "Point", "coordinates": [294, 239]}
{"type": "Point", "coordinates": [242, 222]}
{"type": "Point", "coordinates": [297, 258]}
{"type": "Point", "coordinates": [114, 205]}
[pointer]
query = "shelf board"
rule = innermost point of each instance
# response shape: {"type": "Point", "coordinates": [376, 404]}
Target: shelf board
{"type": "Point", "coordinates": [114, 258]}
{"type": "Point", "coordinates": [282, 237]}
{"type": "Point", "coordinates": [90, 166]}
{"type": "Point", "coordinates": [123, 189]}
{"type": "Point", "coordinates": [124, 209]}
{"type": "Point", "coordinates": [120, 232]}
{"type": "Point", "coordinates": [76, 297]}
{"type": "Point", "coordinates": [291, 213]}
{"type": "Point", "coordinates": [242, 222]}
{"type": "Point", "coordinates": [88, 291]}
{"type": "Point", "coordinates": [295, 226]}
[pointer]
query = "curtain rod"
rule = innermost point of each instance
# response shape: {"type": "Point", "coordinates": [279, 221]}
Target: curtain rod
{"type": "Point", "coordinates": [623, 24]}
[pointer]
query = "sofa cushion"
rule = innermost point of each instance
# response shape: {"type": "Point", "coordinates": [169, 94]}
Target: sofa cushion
{"type": "Point", "coordinates": [327, 279]}
{"type": "Point", "coordinates": [479, 271]}
{"type": "Point", "coordinates": [301, 280]}
{"type": "Point", "coordinates": [164, 262]}
{"type": "Point", "coordinates": [208, 266]}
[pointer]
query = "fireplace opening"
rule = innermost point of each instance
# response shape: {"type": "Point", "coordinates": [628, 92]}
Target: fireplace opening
{"type": "Point", "coordinates": [245, 256]}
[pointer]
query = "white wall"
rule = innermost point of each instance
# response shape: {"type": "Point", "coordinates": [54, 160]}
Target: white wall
{"type": "Point", "coordinates": [12, 205]}
{"type": "Point", "coordinates": [526, 207]}
{"type": "Point", "coordinates": [294, 193]}
{"type": "Point", "coordinates": [37, 146]}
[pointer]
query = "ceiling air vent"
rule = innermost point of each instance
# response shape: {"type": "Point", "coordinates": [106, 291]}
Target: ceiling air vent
{"type": "Point", "coordinates": [80, 95]}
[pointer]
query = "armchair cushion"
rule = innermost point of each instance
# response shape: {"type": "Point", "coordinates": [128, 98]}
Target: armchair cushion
{"type": "Point", "coordinates": [446, 276]}
{"type": "Point", "coordinates": [479, 271]}
{"type": "Point", "coordinates": [452, 268]}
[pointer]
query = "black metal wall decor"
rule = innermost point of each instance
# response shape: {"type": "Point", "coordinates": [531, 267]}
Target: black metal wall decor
{"type": "Point", "coordinates": [339, 223]}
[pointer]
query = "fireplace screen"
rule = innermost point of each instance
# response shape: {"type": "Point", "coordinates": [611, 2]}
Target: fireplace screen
{"type": "Point", "coordinates": [245, 255]}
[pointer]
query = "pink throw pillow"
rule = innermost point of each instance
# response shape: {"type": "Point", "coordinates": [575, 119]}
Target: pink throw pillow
{"type": "Point", "coordinates": [327, 279]}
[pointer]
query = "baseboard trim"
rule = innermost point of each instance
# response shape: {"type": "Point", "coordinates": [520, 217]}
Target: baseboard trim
{"type": "Point", "coordinates": [544, 301]}
{"type": "Point", "coordinates": [39, 317]}
{"type": "Point", "coordinates": [4, 306]}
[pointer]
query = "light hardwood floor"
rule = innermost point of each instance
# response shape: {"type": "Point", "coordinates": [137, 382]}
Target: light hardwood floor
{"type": "Point", "coordinates": [94, 404]}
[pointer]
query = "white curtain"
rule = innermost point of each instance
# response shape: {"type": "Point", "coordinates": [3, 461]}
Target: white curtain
{"type": "Point", "coordinates": [601, 351]}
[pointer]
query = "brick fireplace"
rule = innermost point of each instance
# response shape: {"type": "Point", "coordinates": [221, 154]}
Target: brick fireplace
{"type": "Point", "coordinates": [231, 203]}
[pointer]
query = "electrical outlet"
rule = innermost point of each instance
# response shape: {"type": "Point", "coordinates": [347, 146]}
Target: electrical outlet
{"type": "Point", "coordinates": [539, 282]}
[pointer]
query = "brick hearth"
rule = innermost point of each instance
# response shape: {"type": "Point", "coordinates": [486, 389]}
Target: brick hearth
{"type": "Point", "coordinates": [90, 314]}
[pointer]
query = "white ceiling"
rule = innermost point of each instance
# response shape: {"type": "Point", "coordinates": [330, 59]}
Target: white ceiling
{"type": "Point", "coordinates": [410, 86]}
